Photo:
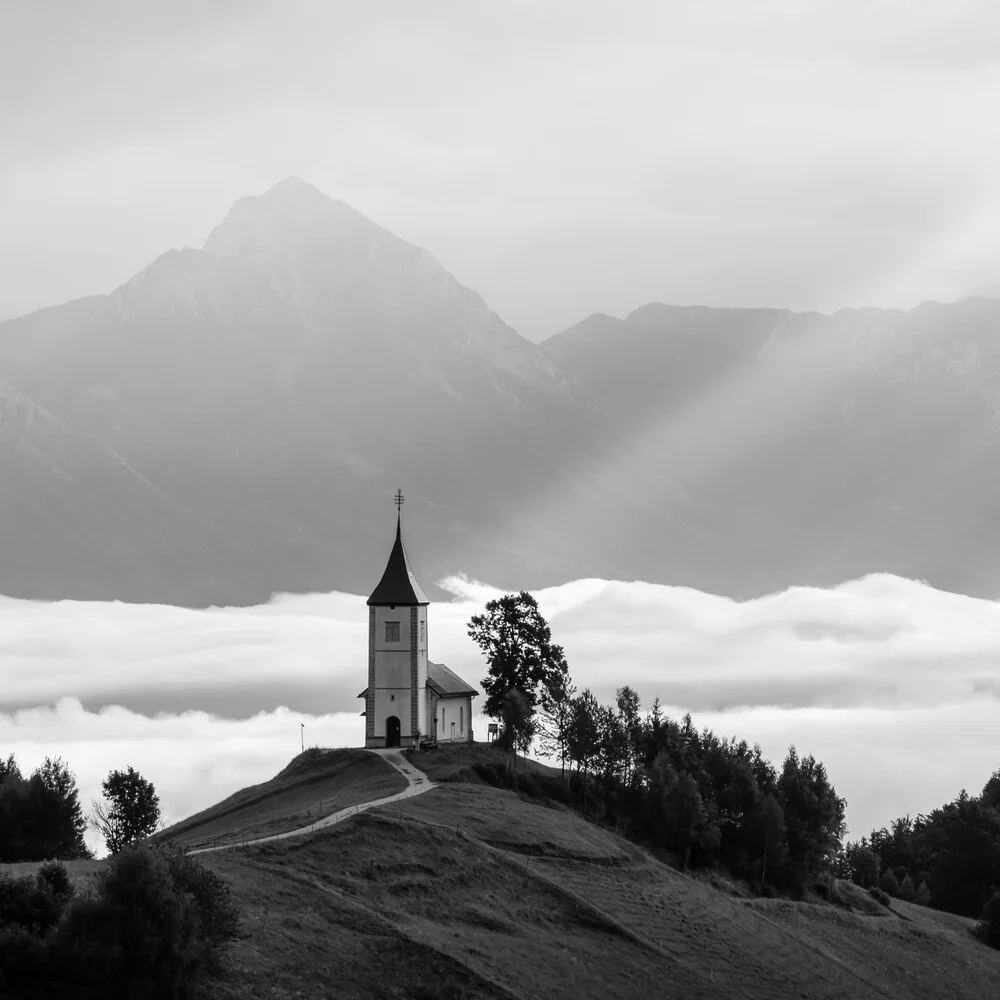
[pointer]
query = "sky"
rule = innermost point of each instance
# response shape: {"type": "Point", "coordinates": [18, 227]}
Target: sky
{"type": "Point", "coordinates": [559, 158]}
{"type": "Point", "coordinates": [895, 686]}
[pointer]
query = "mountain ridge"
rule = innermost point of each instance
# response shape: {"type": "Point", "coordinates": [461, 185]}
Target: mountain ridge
{"type": "Point", "coordinates": [266, 390]}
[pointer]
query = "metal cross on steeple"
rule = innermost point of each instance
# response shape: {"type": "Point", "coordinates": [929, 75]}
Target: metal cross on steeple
{"type": "Point", "coordinates": [399, 500]}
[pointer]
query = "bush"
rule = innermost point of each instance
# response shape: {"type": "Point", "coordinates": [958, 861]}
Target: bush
{"type": "Point", "coordinates": [889, 884]}
{"type": "Point", "coordinates": [54, 875]}
{"type": "Point", "coordinates": [28, 903]}
{"type": "Point", "coordinates": [881, 895]}
{"type": "Point", "coordinates": [988, 927]}
{"type": "Point", "coordinates": [907, 891]}
{"type": "Point", "coordinates": [219, 916]}
{"type": "Point", "coordinates": [158, 920]}
{"type": "Point", "coordinates": [24, 968]}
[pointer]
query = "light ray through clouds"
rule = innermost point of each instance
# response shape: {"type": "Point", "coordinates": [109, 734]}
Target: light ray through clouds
{"type": "Point", "coordinates": [894, 685]}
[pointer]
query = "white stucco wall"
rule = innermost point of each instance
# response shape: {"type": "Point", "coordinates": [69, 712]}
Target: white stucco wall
{"type": "Point", "coordinates": [457, 711]}
{"type": "Point", "coordinates": [392, 693]}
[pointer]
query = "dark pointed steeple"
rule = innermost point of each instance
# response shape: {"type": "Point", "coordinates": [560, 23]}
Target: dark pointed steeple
{"type": "Point", "coordinates": [398, 584]}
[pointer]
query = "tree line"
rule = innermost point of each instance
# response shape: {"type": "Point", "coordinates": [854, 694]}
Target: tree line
{"type": "Point", "coordinates": [717, 800]}
{"type": "Point", "coordinates": [41, 817]}
{"type": "Point", "coordinates": [708, 799]}
{"type": "Point", "coordinates": [948, 859]}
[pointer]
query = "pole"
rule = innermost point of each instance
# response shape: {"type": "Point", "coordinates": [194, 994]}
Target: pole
{"type": "Point", "coordinates": [302, 733]}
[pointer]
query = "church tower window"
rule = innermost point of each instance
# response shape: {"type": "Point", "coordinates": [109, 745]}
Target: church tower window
{"type": "Point", "coordinates": [392, 631]}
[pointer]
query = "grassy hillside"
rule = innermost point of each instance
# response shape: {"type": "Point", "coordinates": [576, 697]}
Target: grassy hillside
{"type": "Point", "coordinates": [314, 784]}
{"type": "Point", "coordinates": [470, 891]}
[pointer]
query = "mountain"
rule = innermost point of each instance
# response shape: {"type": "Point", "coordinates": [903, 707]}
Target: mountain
{"type": "Point", "coordinates": [819, 448]}
{"type": "Point", "coordinates": [224, 424]}
{"type": "Point", "coordinates": [234, 420]}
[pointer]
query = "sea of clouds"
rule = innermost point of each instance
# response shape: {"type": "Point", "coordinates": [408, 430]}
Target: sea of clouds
{"type": "Point", "coordinates": [895, 686]}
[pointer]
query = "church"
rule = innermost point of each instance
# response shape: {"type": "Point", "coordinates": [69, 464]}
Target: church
{"type": "Point", "coordinates": [408, 698]}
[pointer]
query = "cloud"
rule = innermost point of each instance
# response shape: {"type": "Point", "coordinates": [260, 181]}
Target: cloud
{"type": "Point", "coordinates": [894, 685]}
{"type": "Point", "coordinates": [194, 759]}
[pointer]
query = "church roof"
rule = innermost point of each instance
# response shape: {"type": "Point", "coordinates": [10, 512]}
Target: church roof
{"type": "Point", "coordinates": [445, 683]}
{"type": "Point", "coordinates": [398, 584]}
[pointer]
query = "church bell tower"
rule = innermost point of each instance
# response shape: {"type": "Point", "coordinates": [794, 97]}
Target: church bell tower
{"type": "Point", "coordinates": [396, 700]}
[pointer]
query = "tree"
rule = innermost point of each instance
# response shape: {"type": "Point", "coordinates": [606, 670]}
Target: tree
{"type": "Point", "coordinates": [627, 701]}
{"type": "Point", "coordinates": [517, 643]}
{"type": "Point", "coordinates": [862, 864]}
{"type": "Point", "coordinates": [814, 816]}
{"type": "Point", "coordinates": [40, 816]}
{"type": "Point", "coordinates": [584, 736]}
{"type": "Point", "coordinates": [557, 706]}
{"type": "Point", "coordinates": [64, 822]}
{"type": "Point", "coordinates": [9, 769]}
{"type": "Point", "coordinates": [519, 724]}
{"type": "Point", "coordinates": [129, 812]}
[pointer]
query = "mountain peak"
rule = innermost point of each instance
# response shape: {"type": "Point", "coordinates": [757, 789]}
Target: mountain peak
{"type": "Point", "coordinates": [293, 190]}
{"type": "Point", "coordinates": [292, 216]}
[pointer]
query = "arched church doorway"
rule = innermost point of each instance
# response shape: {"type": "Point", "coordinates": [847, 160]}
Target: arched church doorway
{"type": "Point", "coordinates": [392, 731]}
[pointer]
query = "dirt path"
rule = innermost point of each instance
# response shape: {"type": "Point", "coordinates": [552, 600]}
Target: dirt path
{"type": "Point", "coordinates": [416, 784]}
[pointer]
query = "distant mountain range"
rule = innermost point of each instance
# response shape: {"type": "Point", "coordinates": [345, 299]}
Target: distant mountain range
{"type": "Point", "coordinates": [234, 420]}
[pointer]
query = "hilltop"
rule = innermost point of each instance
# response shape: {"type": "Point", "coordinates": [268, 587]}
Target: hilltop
{"type": "Point", "coordinates": [471, 891]}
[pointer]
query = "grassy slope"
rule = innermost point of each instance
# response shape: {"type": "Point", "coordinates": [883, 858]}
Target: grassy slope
{"type": "Point", "coordinates": [471, 891]}
{"type": "Point", "coordinates": [314, 784]}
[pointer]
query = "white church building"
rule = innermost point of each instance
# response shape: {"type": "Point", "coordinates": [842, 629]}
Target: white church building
{"type": "Point", "coordinates": [408, 698]}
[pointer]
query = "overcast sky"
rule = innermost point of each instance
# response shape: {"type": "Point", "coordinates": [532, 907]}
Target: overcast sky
{"type": "Point", "coordinates": [893, 685]}
{"type": "Point", "coordinates": [559, 158]}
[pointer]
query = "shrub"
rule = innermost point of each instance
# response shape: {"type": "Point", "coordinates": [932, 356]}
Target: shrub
{"type": "Point", "coordinates": [889, 884]}
{"type": "Point", "coordinates": [218, 914]}
{"type": "Point", "coordinates": [54, 875]}
{"type": "Point", "coordinates": [988, 928]}
{"type": "Point", "coordinates": [28, 903]}
{"type": "Point", "coordinates": [139, 934]}
{"type": "Point", "coordinates": [880, 894]}
{"type": "Point", "coordinates": [23, 969]}
{"type": "Point", "coordinates": [907, 891]}
{"type": "Point", "coordinates": [822, 890]}
{"type": "Point", "coordinates": [923, 895]}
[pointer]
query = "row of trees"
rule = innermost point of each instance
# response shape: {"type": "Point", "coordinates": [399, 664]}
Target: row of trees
{"type": "Point", "coordinates": [709, 799]}
{"type": "Point", "coordinates": [41, 816]}
{"type": "Point", "coordinates": [949, 858]}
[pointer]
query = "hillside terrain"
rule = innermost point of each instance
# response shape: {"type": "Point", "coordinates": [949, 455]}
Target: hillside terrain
{"type": "Point", "coordinates": [224, 424]}
{"type": "Point", "coordinates": [467, 890]}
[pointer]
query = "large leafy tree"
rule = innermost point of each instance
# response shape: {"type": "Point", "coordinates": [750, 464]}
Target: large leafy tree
{"type": "Point", "coordinates": [129, 811]}
{"type": "Point", "coordinates": [60, 806]}
{"type": "Point", "coordinates": [517, 642]}
{"type": "Point", "coordinates": [40, 816]}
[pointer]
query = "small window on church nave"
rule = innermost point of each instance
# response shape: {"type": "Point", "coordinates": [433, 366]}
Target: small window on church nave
{"type": "Point", "coordinates": [392, 631]}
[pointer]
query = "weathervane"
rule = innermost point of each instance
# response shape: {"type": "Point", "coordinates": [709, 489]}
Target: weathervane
{"type": "Point", "coordinates": [398, 500]}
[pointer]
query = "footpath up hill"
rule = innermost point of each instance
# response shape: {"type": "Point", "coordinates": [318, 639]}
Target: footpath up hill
{"type": "Point", "coordinates": [471, 891]}
{"type": "Point", "coordinates": [314, 784]}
